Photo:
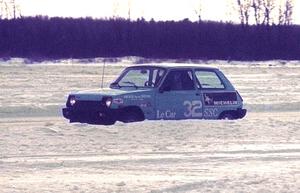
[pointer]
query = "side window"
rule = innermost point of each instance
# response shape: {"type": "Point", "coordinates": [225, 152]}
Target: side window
{"type": "Point", "coordinates": [208, 80]}
{"type": "Point", "coordinates": [179, 80]}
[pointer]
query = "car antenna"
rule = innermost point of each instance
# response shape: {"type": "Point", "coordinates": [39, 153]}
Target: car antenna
{"type": "Point", "coordinates": [103, 70]}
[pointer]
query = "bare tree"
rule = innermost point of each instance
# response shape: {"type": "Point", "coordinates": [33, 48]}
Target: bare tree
{"type": "Point", "coordinates": [9, 9]}
{"type": "Point", "coordinates": [115, 7]}
{"type": "Point", "coordinates": [1, 8]}
{"type": "Point", "coordinates": [280, 15]}
{"type": "Point", "coordinates": [268, 6]}
{"type": "Point", "coordinates": [258, 10]}
{"type": "Point", "coordinates": [198, 10]}
{"type": "Point", "coordinates": [244, 10]}
{"type": "Point", "coordinates": [264, 11]}
{"type": "Point", "coordinates": [5, 11]}
{"type": "Point", "coordinates": [242, 18]}
{"type": "Point", "coordinates": [13, 5]}
{"type": "Point", "coordinates": [247, 6]}
{"type": "Point", "coordinates": [129, 9]}
{"type": "Point", "coordinates": [285, 12]}
{"type": "Point", "coordinates": [288, 12]}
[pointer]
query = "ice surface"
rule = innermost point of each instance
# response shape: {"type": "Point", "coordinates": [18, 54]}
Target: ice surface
{"type": "Point", "coordinates": [41, 152]}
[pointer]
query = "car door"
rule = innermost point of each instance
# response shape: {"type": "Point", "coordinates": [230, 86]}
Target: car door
{"type": "Point", "coordinates": [178, 97]}
{"type": "Point", "coordinates": [216, 98]}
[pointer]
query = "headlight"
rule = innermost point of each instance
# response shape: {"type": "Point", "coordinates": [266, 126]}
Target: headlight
{"type": "Point", "coordinates": [108, 101]}
{"type": "Point", "coordinates": [72, 101]}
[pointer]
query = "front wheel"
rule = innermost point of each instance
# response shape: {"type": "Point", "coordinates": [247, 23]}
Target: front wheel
{"type": "Point", "coordinates": [109, 121]}
{"type": "Point", "coordinates": [105, 119]}
{"type": "Point", "coordinates": [131, 116]}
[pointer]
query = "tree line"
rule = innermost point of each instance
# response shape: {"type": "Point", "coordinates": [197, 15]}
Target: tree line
{"type": "Point", "coordinates": [52, 38]}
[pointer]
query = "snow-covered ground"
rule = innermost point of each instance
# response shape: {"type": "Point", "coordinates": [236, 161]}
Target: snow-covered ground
{"type": "Point", "coordinates": [41, 152]}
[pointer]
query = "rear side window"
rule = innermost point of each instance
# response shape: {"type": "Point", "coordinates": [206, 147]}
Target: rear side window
{"type": "Point", "coordinates": [208, 80]}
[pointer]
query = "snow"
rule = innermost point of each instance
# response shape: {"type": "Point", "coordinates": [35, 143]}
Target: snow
{"type": "Point", "coordinates": [41, 152]}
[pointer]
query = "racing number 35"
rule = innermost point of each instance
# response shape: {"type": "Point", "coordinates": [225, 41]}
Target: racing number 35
{"type": "Point", "coordinates": [194, 109]}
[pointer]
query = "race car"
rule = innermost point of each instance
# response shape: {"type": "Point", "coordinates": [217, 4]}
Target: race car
{"type": "Point", "coordinates": [158, 92]}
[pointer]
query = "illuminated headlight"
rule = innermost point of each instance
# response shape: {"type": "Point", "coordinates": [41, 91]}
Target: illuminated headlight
{"type": "Point", "coordinates": [72, 101]}
{"type": "Point", "coordinates": [108, 101]}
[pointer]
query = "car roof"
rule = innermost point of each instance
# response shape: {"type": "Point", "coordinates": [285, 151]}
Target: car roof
{"type": "Point", "coordinates": [176, 65]}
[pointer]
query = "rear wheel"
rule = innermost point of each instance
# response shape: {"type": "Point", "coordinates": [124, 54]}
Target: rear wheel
{"type": "Point", "coordinates": [228, 116]}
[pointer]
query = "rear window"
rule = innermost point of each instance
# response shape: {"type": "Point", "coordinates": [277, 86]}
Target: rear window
{"type": "Point", "coordinates": [208, 80]}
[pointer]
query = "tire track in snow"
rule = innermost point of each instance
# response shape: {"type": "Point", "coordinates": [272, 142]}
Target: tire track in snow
{"type": "Point", "coordinates": [152, 158]}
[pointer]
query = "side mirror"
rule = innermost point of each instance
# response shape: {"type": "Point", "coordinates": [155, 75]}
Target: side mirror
{"type": "Point", "coordinates": [165, 88]}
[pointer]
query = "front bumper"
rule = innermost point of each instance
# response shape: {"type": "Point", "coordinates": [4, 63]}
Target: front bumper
{"type": "Point", "coordinates": [67, 113]}
{"type": "Point", "coordinates": [241, 113]}
{"type": "Point", "coordinates": [99, 117]}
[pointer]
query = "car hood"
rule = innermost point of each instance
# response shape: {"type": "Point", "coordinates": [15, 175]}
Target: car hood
{"type": "Point", "coordinates": [98, 94]}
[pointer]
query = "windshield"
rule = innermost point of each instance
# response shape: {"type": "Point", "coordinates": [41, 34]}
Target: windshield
{"type": "Point", "coordinates": [140, 77]}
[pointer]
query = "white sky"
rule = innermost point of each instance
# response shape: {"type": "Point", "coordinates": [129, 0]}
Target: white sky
{"type": "Point", "coordinates": [219, 10]}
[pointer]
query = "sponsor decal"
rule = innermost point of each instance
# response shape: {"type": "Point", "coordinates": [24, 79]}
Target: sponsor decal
{"type": "Point", "coordinates": [211, 112]}
{"type": "Point", "coordinates": [168, 114]}
{"type": "Point", "coordinates": [137, 97]}
{"type": "Point", "coordinates": [193, 109]}
{"type": "Point", "coordinates": [220, 99]}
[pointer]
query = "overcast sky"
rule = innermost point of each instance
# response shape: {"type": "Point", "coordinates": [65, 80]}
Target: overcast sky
{"type": "Point", "coordinates": [219, 10]}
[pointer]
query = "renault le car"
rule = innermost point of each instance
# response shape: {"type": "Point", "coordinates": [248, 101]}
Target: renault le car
{"type": "Point", "coordinates": [158, 92]}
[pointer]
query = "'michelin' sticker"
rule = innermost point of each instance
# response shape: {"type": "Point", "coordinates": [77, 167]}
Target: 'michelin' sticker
{"type": "Point", "coordinates": [220, 99]}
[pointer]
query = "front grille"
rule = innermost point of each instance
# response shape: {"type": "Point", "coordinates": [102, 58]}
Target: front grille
{"type": "Point", "coordinates": [88, 104]}
{"type": "Point", "coordinates": [84, 105]}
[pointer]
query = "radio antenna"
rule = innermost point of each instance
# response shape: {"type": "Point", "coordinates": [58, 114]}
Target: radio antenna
{"type": "Point", "coordinates": [103, 70]}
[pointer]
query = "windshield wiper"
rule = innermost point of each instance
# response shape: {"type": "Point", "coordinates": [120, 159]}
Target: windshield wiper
{"type": "Point", "coordinates": [131, 83]}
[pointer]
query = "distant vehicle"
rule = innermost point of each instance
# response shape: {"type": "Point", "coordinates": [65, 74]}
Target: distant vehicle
{"type": "Point", "coordinates": [158, 92]}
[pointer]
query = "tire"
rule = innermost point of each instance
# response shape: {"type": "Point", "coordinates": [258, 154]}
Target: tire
{"type": "Point", "coordinates": [131, 116]}
{"type": "Point", "coordinates": [109, 121]}
{"type": "Point", "coordinates": [227, 116]}
{"type": "Point", "coordinates": [105, 120]}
